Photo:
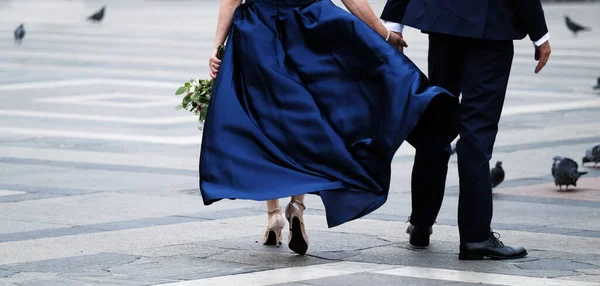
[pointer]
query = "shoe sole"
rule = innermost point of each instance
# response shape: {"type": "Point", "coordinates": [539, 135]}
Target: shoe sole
{"type": "Point", "coordinates": [474, 256]}
{"type": "Point", "coordinates": [297, 243]}
{"type": "Point", "coordinates": [271, 239]}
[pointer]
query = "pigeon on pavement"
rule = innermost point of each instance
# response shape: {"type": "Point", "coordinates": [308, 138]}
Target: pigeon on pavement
{"type": "Point", "coordinates": [19, 34]}
{"type": "Point", "coordinates": [565, 173]}
{"type": "Point", "coordinates": [574, 27]}
{"type": "Point", "coordinates": [592, 155]}
{"type": "Point", "coordinates": [98, 16]}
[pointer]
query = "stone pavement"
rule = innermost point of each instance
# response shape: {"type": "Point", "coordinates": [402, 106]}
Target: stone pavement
{"type": "Point", "coordinates": [98, 172]}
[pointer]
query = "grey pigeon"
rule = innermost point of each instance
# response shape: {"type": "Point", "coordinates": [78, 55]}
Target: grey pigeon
{"type": "Point", "coordinates": [597, 84]}
{"type": "Point", "coordinates": [98, 16]}
{"type": "Point", "coordinates": [19, 34]}
{"type": "Point", "coordinates": [565, 173]}
{"type": "Point", "coordinates": [574, 27]}
{"type": "Point", "coordinates": [497, 174]}
{"type": "Point", "coordinates": [592, 155]}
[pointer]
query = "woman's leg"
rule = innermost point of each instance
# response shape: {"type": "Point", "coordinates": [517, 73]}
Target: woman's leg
{"type": "Point", "coordinates": [272, 206]}
{"type": "Point", "coordinates": [299, 198]}
{"type": "Point", "coordinates": [275, 223]}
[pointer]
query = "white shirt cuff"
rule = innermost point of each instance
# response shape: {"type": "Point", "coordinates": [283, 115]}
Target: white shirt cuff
{"type": "Point", "coordinates": [541, 41]}
{"type": "Point", "coordinates": [394, 27]}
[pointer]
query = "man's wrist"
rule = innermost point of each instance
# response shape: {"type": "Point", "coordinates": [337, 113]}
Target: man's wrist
{"type": "Point", "coordinates": [542, 40]}
{"type": "Point", "coordinates": [394, 27]}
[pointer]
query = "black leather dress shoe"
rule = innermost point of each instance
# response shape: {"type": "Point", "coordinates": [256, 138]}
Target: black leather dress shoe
{"type": "Point", "coordinates": [419, 236]}
{"type": "Point", "coordinates": [492, 248]}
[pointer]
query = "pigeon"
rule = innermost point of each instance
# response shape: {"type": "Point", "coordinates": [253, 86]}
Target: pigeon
{"type": "Point", "coordinates": [19, 34]}
{"type": "Point", "coordinates": [497, 174]}
{"type": "Point", "coordinates": [592, 155]}
{"type": "Point", "coordinates": [574, 27]}
{"type": "Point", "coordinates": [565, 173]}
{"type": "Point", "coordinates": [597, 84]}
{"type": "Point", "coordinates": [98, 16]}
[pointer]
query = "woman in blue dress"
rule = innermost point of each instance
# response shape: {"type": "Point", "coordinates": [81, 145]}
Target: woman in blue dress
{"type": "Point", "coordinates": [310, 99]}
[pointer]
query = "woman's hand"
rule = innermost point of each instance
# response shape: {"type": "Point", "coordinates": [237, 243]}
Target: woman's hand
{"type": "Point", "coordinates": [213, 64]}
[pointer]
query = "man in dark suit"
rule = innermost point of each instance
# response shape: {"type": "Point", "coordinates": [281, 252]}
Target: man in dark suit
{"type": "Point", "coordinates": [470, 53]}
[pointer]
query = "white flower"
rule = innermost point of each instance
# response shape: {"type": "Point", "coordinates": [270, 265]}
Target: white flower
{"type": "Point", "coordinates": [192, 88]}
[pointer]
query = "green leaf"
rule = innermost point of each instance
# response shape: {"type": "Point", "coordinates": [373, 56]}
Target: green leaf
{"type": "Point", "coordinates": [179, 107]}
{"type": "Point", "coordinates": [187, 84]}
{"type": "Point", "coordinates": [186, 100]}
{"type": "Point", "coordinates": [180, 90]}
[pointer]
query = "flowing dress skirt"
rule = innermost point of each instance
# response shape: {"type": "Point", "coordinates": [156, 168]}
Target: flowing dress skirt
{"type": "Point", "coordinates": [309, 99]}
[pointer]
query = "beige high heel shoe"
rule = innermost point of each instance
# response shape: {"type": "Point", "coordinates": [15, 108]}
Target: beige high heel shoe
{"type": "Point", "coordinates": [298, 240]}
{"type": "Point", "coordinates": [274, 228]}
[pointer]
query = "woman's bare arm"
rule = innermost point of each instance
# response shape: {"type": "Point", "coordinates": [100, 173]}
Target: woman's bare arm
{"type": "Point", "coordinates": [226, 11]}
{"type": "Point", "coordinates": [362, 10]}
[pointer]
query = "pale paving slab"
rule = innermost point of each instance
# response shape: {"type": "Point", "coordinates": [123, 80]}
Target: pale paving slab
{"type": "Point", "coordinates": [107, 207]}
{"type": "Point", "coordinates": [88, 180]}
{"type": "Point", "coordinates": [167, 140]}
{"type": "Point", "coordinates": [115, 241]}
{"type": "Point", "coordinates": [478, 277]}
{"type": "Point", "coordinates": [284, 275]}
{"type": "Point", "coordinates": [109, 158]}
{"type": "Point", "coordinates": [96, 118]}
{"type": "Point", "coordinates": [298, 274]}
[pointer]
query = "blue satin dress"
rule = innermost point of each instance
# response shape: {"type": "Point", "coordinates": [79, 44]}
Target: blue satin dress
{"type": "Point", "coordinates": [308, 99]}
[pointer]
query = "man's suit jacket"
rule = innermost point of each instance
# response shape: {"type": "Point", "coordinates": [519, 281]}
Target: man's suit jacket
{"type": "Point", "coordinates": [480, 19]}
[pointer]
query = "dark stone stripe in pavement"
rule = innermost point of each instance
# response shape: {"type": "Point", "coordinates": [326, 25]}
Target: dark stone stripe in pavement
{"type": "Point", "coordinates": [125, 225]}
{"type": "Point", "coordinates": [95, 166]}
{"type": "Point", "coordinates": [496, 226]}
{"type": "Point", "coordinates": [524, 146]}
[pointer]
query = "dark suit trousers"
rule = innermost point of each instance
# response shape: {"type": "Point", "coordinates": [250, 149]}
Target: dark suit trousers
{"type": "Point", "coordinates": [479, 71]}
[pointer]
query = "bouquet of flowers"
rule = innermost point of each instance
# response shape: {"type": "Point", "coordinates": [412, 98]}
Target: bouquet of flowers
{"type": "Point", "coordinates": [197, 94]}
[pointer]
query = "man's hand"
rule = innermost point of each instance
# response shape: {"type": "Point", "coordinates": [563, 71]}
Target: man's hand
{"type": "Point", "coordinates": [542, 54]}
{"type": "Point", "coordinates": [397, 41]}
